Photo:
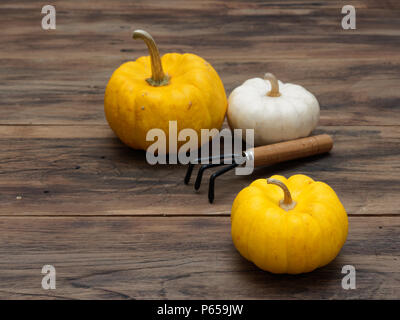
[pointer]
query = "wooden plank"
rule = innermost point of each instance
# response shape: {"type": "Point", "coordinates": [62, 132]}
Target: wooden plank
{"type": "Point", "coordinates": [180, 258]}
{"type": "Point", "coordinates": [354, 93]}
{"type": "Point", "coordinates": [58, 77]}
{"type": "Point", "coordinates": [64, 170]}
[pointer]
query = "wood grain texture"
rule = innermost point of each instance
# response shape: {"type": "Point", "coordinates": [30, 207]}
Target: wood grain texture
{"type": "Point", "coordinates": [180, 258]}
{"type": "Point", "coordinates": [59, 76]}
{"type": "Point", "coordinates": [87, 171]}
{"type": "Point", "coordinates": [72, 195]}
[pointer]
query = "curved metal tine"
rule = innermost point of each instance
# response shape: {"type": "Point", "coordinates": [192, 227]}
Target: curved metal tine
{"type": "Point", "coordinates": [189, 173]}
{"type": "Point", "coordinates": [214, 176]}
{"type": "Point", "coordinates": [201, 171]}
{"type": "Point", "coordinates": [200, 160]}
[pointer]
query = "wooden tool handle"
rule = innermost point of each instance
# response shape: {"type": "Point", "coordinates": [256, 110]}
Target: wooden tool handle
{"type": "Point", "coordinates": [294, 149]}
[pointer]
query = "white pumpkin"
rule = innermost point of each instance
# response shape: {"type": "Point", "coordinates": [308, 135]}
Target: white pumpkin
{"type": "Point", "coordinates": [276, 111]}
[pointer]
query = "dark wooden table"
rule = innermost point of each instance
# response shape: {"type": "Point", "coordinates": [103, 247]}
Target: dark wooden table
{"type": "Point", "coordinates": [73, 196]}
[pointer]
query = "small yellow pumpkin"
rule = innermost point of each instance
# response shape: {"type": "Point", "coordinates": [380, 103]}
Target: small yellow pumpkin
{"type": "Point", "coordinates": [140, 96]}
{"type": "Point", "coordinates": [290, 225]}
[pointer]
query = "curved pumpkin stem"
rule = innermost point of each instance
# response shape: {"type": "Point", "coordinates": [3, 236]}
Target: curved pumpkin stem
{"type": "Point", "coordinates": [274, 85]}
{"type": "Point", "coordinates": [287, 203]}
{"type": "Point", "coordinates": [158, 78]}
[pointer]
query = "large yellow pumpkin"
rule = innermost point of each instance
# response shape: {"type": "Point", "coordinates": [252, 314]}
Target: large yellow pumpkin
{"type": "Point", "coordinates": [290, 225]}
{"type": "Point", "coordinates": [140, 96]}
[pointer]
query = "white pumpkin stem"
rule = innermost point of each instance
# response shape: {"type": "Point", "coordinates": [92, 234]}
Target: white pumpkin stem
{"type": "Point", "coordinates": [158, 77]}
{"type": "Point", "coordinates": [287, 203]}
{"type": "Point", "coordinates": [274, 85]}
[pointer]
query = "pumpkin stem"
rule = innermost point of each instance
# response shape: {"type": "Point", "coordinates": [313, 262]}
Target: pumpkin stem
{"type": "Point", "coordinates": [158, 78]}
{"type": "Point", "coordinates": [274, 85]}
{"type": "Point", "coordinates": [287, 203]}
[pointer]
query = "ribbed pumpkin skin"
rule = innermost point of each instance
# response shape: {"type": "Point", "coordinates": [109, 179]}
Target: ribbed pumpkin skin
{"type": "Point", "coordinates": [195, 98]}
{"type": "Point", "coordinates": [300, 240]}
